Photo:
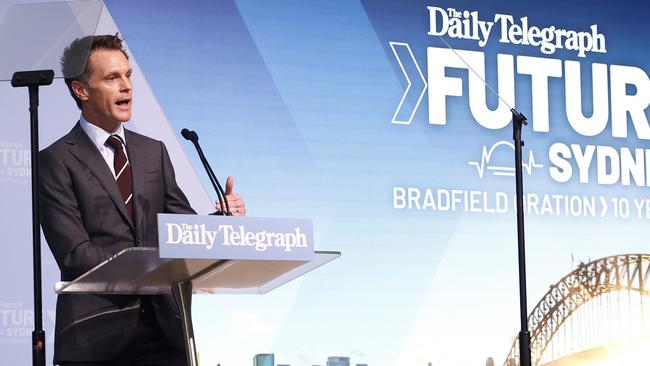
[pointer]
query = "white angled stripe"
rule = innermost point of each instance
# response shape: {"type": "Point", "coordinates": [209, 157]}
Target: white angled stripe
{"type": "Point", "coordinates": [128, 199]}
{"type": "Point", "coordinates": [121, 170]}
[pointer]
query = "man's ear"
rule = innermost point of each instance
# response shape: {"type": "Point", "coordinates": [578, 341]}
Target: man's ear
{"type": "Point", "coordinates": [80, 90]}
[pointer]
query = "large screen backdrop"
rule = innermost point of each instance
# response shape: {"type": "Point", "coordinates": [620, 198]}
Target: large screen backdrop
{"type": "Point", "coordinates": [371, 117]}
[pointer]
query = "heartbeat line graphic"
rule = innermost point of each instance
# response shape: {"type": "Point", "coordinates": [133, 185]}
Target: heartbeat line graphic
{"type": "Point", "coordinates": [509, 171]}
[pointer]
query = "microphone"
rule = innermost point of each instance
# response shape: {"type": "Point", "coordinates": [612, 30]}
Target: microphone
{"type": "Point", "coordinates": [190, 135]}
{"type": "Point", "coordinates": [221, 195]}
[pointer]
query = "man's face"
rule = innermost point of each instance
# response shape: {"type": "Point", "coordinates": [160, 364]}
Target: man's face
{"type": "Point", "coordinates": [106, 98]}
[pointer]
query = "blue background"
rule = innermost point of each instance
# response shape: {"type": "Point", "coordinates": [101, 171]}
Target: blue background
{"type": "Point", "coordinates": [294, 99]}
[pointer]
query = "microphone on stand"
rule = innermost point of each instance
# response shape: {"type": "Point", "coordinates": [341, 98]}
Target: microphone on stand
{"type": "Point", "coordinates": [223, 201]}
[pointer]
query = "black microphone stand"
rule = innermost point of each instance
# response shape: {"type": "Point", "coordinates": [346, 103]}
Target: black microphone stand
{"type": "Point", "coordinates": [221, 195]}
{"type": "Point", "coordinates": [518, 121]}
{"type": "Point", "coordinates": [215, 182]}
{"type": "Point", "coordinates": [32, 80]}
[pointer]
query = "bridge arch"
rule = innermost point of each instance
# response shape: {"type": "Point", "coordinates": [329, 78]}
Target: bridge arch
{"type": "Point", "coordinates": [588, 281]}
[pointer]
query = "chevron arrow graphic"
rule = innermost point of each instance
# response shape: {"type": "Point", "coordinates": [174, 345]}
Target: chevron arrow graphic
{"type": "Point", "coordinates": [404, 114]}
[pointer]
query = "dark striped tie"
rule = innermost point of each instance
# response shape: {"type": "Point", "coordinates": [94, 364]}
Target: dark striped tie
{"type": "Point", "coordinates": [122, 171]}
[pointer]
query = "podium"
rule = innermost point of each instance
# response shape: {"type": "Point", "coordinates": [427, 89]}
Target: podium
{"type": "Point", "coordinates": [141, 271]}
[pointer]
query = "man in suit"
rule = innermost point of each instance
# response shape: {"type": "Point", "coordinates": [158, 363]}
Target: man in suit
{"type": "Point", "coordinates": [101, 188]}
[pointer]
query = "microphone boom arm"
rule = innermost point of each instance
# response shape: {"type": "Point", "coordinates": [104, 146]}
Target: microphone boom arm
{"type": "Point", "coordinates": [221, 195]}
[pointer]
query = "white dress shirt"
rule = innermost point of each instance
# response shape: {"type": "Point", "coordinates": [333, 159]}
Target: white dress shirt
{"type": "Point", "coordinates": [99, 136]}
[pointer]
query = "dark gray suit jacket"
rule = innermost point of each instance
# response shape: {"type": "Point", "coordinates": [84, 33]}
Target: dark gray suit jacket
{"type": "Point", "coordinates": [85, 221]}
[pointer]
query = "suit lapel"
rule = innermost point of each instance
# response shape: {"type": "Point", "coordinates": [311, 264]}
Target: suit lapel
{"type": "Point", "coordinates": [86, 152]}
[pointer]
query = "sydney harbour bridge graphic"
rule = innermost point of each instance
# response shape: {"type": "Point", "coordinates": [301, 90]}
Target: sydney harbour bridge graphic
{"type": "Point", "coordinates": [595, 315]}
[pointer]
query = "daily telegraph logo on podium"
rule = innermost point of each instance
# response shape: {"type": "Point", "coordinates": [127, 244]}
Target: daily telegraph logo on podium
{"type": "Point", "coordinates": [228, 237]}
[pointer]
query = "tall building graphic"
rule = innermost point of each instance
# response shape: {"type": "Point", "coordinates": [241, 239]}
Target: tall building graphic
{"type": "Point", "coordinates": [264, 359]}
{"type": "Point", "coordinates": [338, 361]}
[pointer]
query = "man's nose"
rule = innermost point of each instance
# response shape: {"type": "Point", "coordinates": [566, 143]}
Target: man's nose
{"type": "Point", "coordinates": [125, 84]}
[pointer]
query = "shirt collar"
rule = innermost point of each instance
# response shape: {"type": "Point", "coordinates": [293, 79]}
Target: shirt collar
{"type": "Point", "coordinates": [97, 134]}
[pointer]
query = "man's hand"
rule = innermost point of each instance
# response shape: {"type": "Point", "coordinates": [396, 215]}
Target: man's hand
{"type": "Point", "coordinates": [235, 202]}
